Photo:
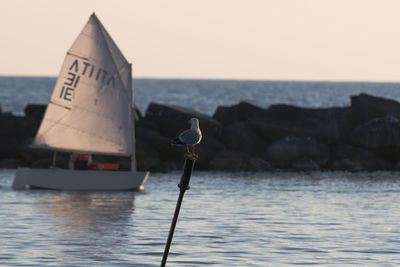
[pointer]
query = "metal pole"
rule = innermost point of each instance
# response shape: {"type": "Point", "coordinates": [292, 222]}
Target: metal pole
{"type": "Point", "coordinates": [183, 186]}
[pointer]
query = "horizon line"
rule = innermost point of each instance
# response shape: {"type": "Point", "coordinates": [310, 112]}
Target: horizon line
{"type": "Point", "coordinates": [220, 79]}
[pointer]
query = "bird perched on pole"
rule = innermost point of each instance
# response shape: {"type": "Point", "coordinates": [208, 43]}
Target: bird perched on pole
{"type": "Point", "coordinates": [189, 137]}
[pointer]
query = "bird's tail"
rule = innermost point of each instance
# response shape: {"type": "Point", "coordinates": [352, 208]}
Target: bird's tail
{"type": "Point", "coordinates": [176, 142]}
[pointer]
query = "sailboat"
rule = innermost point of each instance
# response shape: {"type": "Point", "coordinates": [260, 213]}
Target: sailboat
{"type": "Point", "coordinates": [91, 112]}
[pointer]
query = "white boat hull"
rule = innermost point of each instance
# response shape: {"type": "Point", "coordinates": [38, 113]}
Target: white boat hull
{"type": "Point", "coordinates": [61, 179]}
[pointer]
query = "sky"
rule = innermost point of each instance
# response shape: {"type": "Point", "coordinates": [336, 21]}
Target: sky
{"type": "Point", "coordinates": [336, 40]}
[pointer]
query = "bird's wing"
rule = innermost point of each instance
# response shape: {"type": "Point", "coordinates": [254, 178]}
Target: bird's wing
{"type": "Point", "coordinates": [189, 137]}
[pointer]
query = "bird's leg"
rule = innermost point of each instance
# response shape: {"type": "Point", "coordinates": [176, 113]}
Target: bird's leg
{"type": "Point", "coordinates": [193, 152]}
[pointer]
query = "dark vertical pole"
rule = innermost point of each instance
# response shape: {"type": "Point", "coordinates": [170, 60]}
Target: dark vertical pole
{"type": "Point", "coordinates": [183, 186]}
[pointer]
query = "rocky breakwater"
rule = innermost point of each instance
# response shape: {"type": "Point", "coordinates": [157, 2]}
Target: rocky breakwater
{"type": "Point", "coordinates": [362, 137]}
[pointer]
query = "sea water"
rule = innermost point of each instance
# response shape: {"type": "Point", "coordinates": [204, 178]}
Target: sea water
{"type": "Point", "coordinates": [206, 95]}
{"type": "Point", "coordinates": [241, 219]}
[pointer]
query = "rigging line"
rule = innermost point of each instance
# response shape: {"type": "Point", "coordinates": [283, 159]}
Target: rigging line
{"type": "Point", "coordinates": [55, 122]}
{"type": "Point", "coordinates": [98, 114]}
{"type": "Point", "coordinates": [85, 132]}
{"type": "Point", "coordinates": [57, 104]}
{"type": "Point", "coordinates": [75, 55]}
{"type": "Point", "coordinates": [58, 122]}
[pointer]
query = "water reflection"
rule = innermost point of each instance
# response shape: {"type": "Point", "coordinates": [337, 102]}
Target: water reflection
{"type": "Point", "coordinates": [86, 225]}
{"type": "Point", "coordinates": [86, 211]}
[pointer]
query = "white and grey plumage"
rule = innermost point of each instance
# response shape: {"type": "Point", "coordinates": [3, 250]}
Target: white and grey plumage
{"type": "Point", "coordinates": [189, 137]}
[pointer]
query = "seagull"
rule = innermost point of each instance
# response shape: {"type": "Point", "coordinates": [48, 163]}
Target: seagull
{"type": "Point", "coordinates": [189, 137]}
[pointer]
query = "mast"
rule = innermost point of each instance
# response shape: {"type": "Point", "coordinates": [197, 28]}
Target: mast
{"type": "Point", "coordinates": [132, 116]}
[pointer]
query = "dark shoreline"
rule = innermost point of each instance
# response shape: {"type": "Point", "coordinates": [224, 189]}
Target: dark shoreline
{"type": "Point", "coordinates": [362, 137]}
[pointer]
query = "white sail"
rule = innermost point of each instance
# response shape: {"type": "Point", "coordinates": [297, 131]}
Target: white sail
{"type": "Point", "coordinates": [90, 108]}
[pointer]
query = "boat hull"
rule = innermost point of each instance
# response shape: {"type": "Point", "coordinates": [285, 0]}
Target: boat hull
{"type": "Point", "coordinates": [61, 179]}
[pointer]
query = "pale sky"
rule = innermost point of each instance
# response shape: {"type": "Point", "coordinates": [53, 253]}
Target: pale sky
{"type": "Point", "coordinates": [337, 40]}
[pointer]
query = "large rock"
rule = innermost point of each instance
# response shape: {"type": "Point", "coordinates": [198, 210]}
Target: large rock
{"type": "Point", "coordinates": [381, 135]}
{"type": "Point", "coordinates": [29, 154]}
{"type": "Point", "coordinates": [147, 158]}
{"type": "Point", "coordinates": [172, 120]}
{"type": "Point", "coordinates": [366, 107]}
{"type": "Point", "coordinates": [161, 144]}
{"type": "Point", "coordinates": [343, 155]}
{"type": "Point", "coordinates": [279, 121]}
{"type": "Point", "coordinates": [13, 131]}
{"type": "Point", "coordinates": [397, 166]}
{"type": "Point", "coordinates": [168, 166]}
{"type": "Point", "coordinates": [377, 133]}
{"type": "Point", "coordinates": [285, 151]}
{"type": "Point", "coordinates": [238, 136]}
{"type": "Point", "coordinates": [10, 163]}
{"type": "Point", "coordinates": [347, 165]}
{"type": "Point", "coordinates": [239, 112]}
{"type": "Point", "coordinates": [258, 164]}
{"type": "Point", "coordinates": [345, 125]}
{"type": "Point", "coordinates": [207, 149]}
{"type": "Point", "coordinates": [11, 125]}
{"type": "Point", "coordinates": [149, 136]}
{"type": "Point", "coordinates": [237, 161]}
{"type": "Point", "coordinates": [304, 164]}
{"type": "Point", "coordinates": [35, 112]}
{"type": "Point", "coordinates": [229, 161]}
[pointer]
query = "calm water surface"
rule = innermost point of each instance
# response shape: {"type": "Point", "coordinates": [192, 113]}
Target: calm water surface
{"type": "Point", "coordinates": [266, 219]}
{"type": "Point", "coordinates": [206, 95]}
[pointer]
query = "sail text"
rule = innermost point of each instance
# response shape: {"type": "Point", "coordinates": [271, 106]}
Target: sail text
{"type": "Point", "coordinates": [82, 68]}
